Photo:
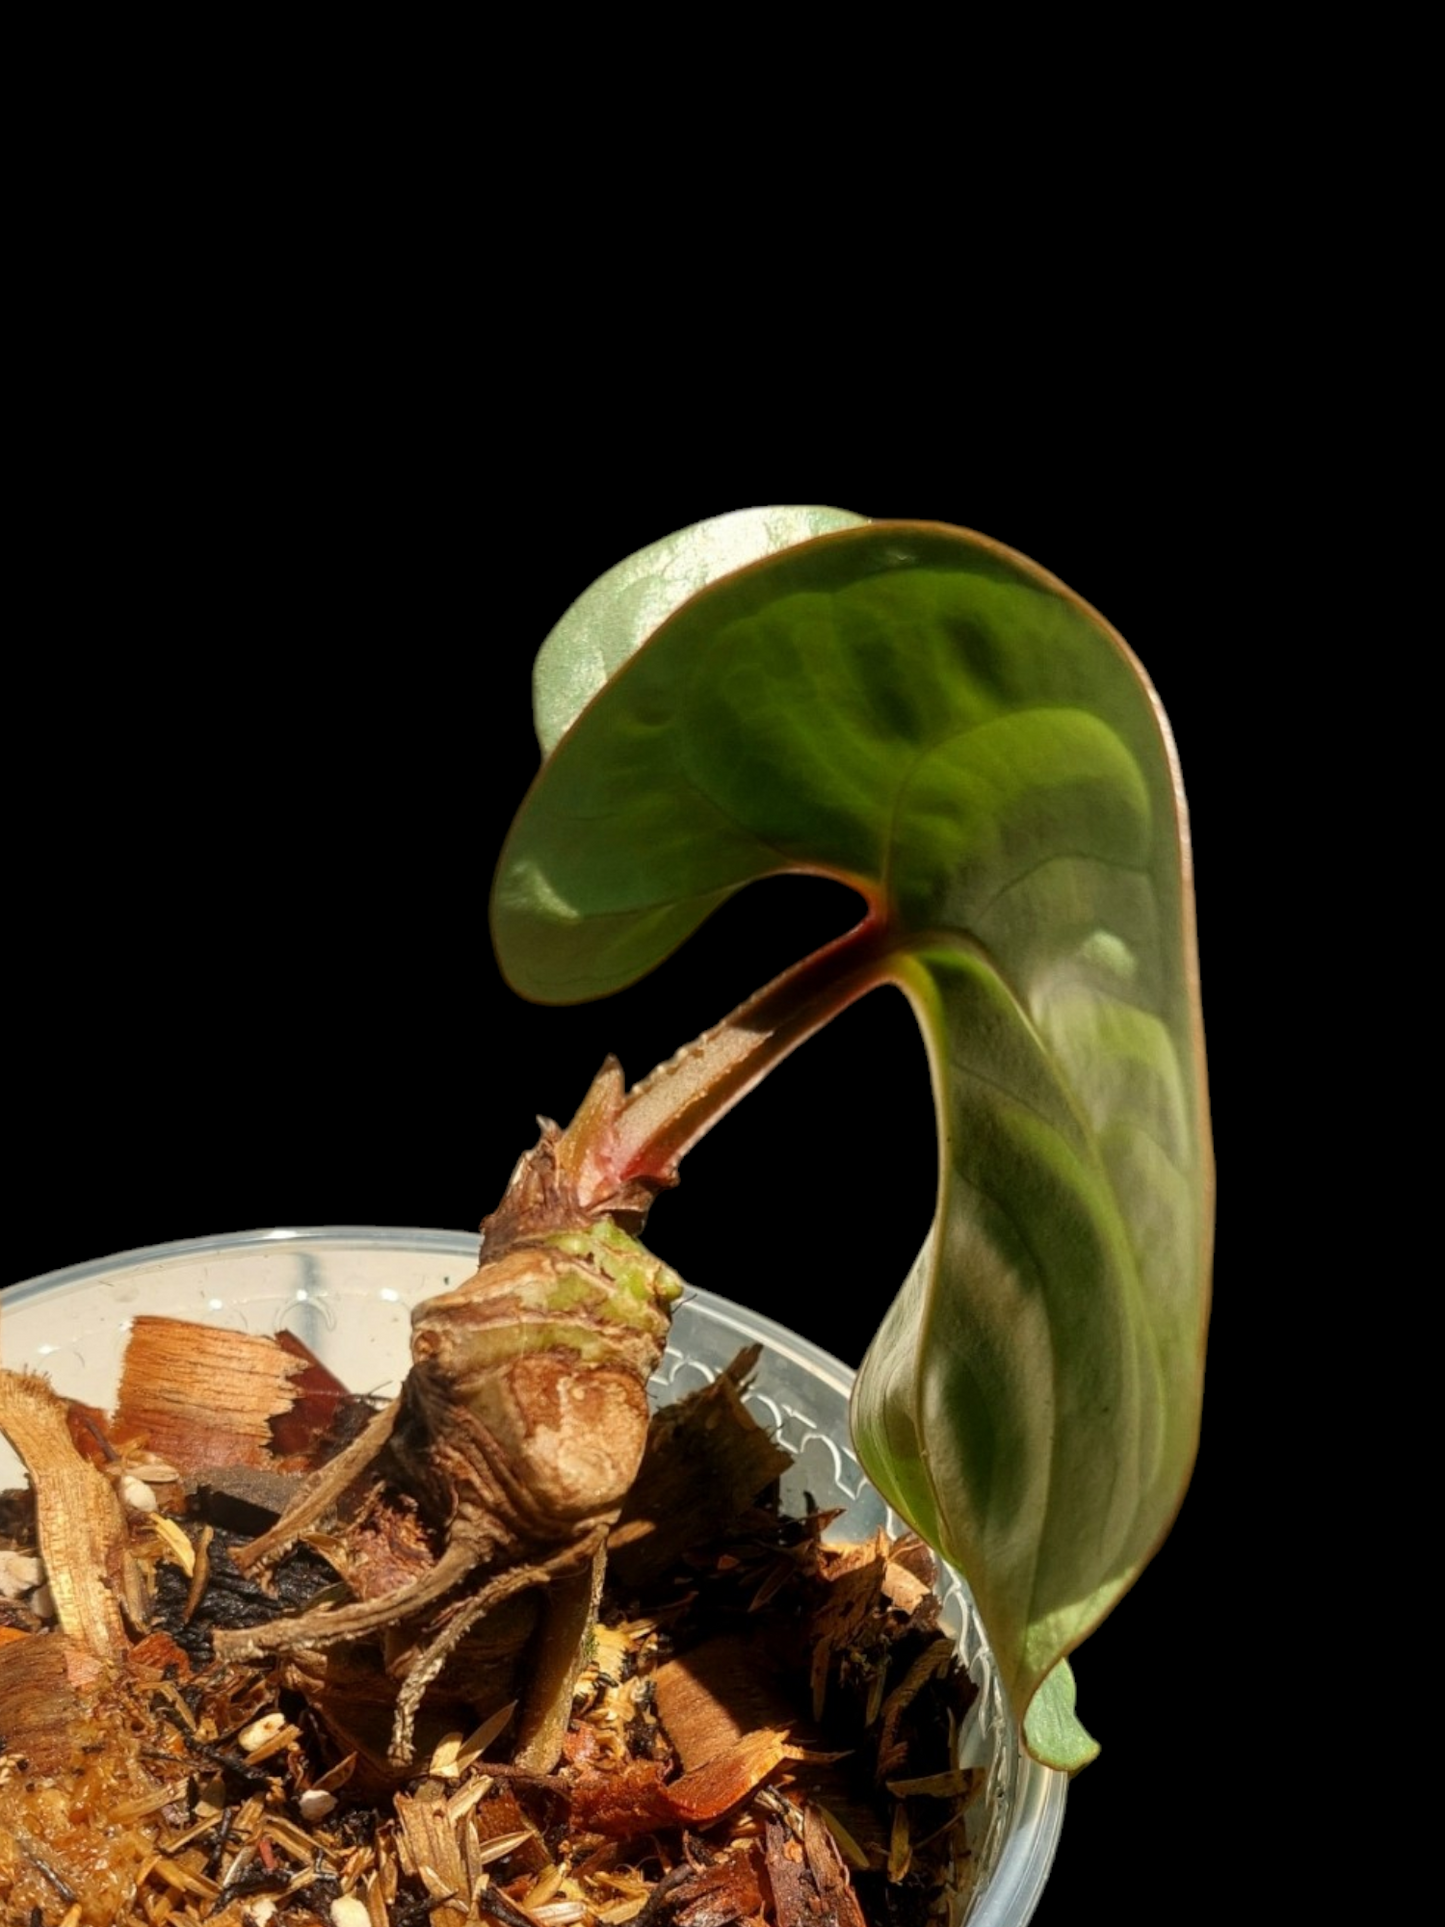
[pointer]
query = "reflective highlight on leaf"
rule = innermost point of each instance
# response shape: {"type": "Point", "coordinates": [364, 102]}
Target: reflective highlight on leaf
{"type": "Point", "coordinates": [619, 612]}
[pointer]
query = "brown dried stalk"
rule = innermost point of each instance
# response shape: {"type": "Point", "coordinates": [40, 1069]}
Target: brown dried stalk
{"type": "Point", "coordinates": [79, 1522]}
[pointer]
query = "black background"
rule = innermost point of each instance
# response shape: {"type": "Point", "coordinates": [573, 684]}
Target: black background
{"type": "Point", "coordinates": [278, 726]}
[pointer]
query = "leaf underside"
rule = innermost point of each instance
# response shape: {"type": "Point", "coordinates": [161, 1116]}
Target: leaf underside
{"type": "Point", "coordinates": [938, 722]}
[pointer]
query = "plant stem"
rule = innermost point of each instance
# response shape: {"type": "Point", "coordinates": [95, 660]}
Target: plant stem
{"type": "Point", "coordinates": [666, 1113]}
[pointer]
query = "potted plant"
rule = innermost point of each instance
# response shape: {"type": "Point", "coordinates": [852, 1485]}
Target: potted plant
{"type": "Point", "coordinates": [1157, 1682]}
{"type": "Point", "coordinates": [1087, 775]}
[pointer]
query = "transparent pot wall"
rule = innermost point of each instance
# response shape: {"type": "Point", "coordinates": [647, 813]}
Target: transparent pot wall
{"type": "Point", "coordinates": [348, 1294]}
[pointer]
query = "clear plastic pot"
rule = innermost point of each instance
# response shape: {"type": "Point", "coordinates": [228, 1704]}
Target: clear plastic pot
{"type": "Point", "coordinates": [348, 1293]}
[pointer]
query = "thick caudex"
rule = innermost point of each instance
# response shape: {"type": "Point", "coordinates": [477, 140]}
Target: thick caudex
{"type": "Point", "coordinates": [522, 1421]}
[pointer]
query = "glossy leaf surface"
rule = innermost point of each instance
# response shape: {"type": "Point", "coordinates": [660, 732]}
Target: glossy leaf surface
{"type": "Point", "coordinates": [937, 721]}
{"type": "Point", "coordinates": [622, 608]}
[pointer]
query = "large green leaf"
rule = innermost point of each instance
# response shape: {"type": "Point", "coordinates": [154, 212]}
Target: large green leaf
{"type": "Point", "coordinates": [939, 722]}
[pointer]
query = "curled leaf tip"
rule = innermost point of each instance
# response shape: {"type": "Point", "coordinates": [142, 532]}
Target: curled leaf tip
{"type": "Point", "coordinates": [1053, 1733]}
